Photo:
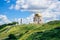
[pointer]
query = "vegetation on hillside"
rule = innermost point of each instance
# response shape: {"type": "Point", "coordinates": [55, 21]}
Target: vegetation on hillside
{"type": "Point", "coordinates": [53, 34]}
{"type": "Point", "coordinates": [47, 31]}
{"type": "Point", "coordinates": [9, 24]}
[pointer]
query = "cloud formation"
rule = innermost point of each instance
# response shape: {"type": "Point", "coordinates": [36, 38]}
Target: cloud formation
{"type": "Point", "coordinates": [51, 13]}
{"type": "Point", "coordinates": [8, 1]}
{"type": "Point", "coordinates": [4, 19]}
{"type": "Point", "coordinates": [32, 4]}
{"type": "Point", "coordinates": [50, 9]}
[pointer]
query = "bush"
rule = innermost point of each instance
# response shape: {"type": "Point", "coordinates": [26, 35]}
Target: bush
{"type": "Point", "coordinates": [11, 37]}
{"type": "Point", "coordinates": [53, 34]}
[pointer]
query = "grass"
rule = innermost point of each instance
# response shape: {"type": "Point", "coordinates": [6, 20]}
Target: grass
{"type": "Point", "coordinates": [27, 31]}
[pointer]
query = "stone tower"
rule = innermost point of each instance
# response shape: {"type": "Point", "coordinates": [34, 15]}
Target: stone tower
{"type": "Point", "coordinates": [37, 18]}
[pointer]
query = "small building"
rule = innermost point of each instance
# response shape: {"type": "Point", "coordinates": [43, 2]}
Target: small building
{"type": "Point", "coordinates": [37, 18]}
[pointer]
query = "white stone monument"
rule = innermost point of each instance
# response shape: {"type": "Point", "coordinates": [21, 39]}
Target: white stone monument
{"type": "Point", "coordinates": [37, 18]}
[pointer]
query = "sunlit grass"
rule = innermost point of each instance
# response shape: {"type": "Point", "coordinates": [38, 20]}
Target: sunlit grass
{"type": "Point", "coordinates": [22, 32]}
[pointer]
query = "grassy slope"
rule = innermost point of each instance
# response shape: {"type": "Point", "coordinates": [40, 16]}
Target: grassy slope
{"type": "Point", "coordinates": [17, 30]}
{"type": "Point", "coordinates": [53, 34]}
{"type": "Point", "coordinates": [23, 32]}
{"type": "Point", "coordinates": [40, 29]}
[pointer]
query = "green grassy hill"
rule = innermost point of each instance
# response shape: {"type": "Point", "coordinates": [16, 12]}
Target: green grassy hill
{"type": "Point", "coordinates": [47, 31]}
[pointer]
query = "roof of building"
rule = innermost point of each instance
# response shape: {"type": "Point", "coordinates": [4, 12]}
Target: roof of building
{"type": "Point", "coordinates": [38, 14]}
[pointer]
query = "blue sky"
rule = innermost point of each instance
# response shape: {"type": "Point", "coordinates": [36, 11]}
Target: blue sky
{"type": "Point", "coordinates": [11, 14]}
{"type": "Point", "coordinates": [17, 9]}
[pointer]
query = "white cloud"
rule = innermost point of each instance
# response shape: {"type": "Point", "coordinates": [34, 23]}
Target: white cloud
{"type": "Point", "coordinates": [51, 13]}
{"type": "Point", "coordinates": [26, 20]}
{"type": "Point", "coordinates": [33, 4]}
{"type": "Point", "coordinates": [1, 23]}
{"type": "Point", "coordinates": [8, 1]}
{"type": "Point", "coordinates": [50, 8]}
{"type": "Point", "coordinates": [25, 6]}
{"type": "Point", "coordinates": [17, 7]}
{"type": "Point", "coordinates": [4, 19]}
{"type": "Point", "coordinates": [39, 2]}
{"type": "Point", "coordinates": [20, 2]}
{"type": "Point", "coordinates": [11, 7]}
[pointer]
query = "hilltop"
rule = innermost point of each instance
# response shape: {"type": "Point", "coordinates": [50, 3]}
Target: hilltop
{"type": "Point", "coordinates": [47, 31]}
